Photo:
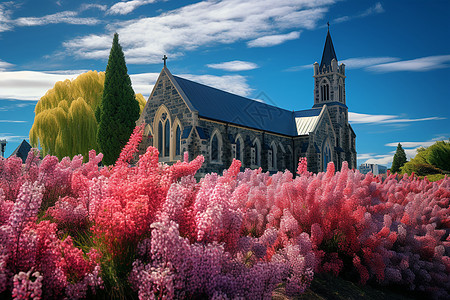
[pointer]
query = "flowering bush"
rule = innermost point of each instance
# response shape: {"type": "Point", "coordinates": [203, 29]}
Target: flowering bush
{"type": "Point", "coordinates": [147, 229]}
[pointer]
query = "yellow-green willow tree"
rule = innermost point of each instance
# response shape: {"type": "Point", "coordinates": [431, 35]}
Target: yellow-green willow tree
{"type": "Point", "coordinates": [65, 123]}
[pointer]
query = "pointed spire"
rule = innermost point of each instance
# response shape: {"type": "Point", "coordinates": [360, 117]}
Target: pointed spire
{"type": "Point", "coordinates": [328, 52]}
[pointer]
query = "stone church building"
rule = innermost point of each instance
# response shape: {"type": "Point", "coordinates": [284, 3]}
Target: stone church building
{"type": "Point", "coordinates": [182, 115]}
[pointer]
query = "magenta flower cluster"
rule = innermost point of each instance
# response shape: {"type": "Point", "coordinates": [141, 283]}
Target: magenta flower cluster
{"type": "Point", "coordinates": [236, 235]}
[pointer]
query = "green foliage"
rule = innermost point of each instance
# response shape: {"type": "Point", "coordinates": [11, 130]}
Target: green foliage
{"type": "Point", "coordinates": [119, 110]}
{"type": "Point", "coordinates": [432, 160]}
{"type": "Point", "coordinates": [439, 155]}
{"type": "Point", "coordinates": [64, 123]}
{"type": "Point", "coordinates": [399, 159]}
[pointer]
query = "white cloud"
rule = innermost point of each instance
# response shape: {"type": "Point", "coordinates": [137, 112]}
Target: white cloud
{"type": "Point", "coordinates": [205, 23]}
{"type": "Point", "coordinates": [272, 40]}
{"type": "Point", "coordinates": [69, 17]}
{"type": "Point", "coordinates": [376, 159]}
{"type": "Point", "coordinates": [412, 144]}
{"type": "Point", "coordinates": [143, 83]}
{"type": "Point", "coordinates": [5, 65]}
{"type": "Point", "coordinates": [5, 15]}
{"type": "Point", "coordinates": [363, 62]}
{"type": "Point", "coordinates": [373, 10]}
{"type": "Point", "coordinates": [235, 65]}
{"type": "Point", "coordinates": [410, 149]}
{"type": "Point", "coordinates": [29, 85]}
{"type": "Point", "coordinates": [12, 138]}
{"type": "Point", "coordinates": [93, 6]}
{"type": "Point", "coordinates": [125, 7]}
{"type": "Point", "coordinates": [419, 64]}
{"type": "Point", "coordinates": [376, 9]}
{"type": "Point", "coordinates": [235, 84]}
{"type": "Point", "coordinates": [12, 121]}
{"type": "Point", "coordinates": [357, 118]}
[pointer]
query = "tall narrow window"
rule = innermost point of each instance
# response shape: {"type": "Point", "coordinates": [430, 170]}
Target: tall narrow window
{"type": "Point", "coordinates": [238, 149]}
{"type": "Point", "coordinates": [160, 138]}
{"type": "Point", "coordinates": [257, 154]}
{"type": "Point", "coordinates": [167, 138]}
{"type": "Point", "coordinates": [178, 141]}
{"type": "Point", "coordinates": [324, 91]}
{"type": "Point", "coordinates": [215, 148]}
{"type": "Point", "coordinates": [274, 156]}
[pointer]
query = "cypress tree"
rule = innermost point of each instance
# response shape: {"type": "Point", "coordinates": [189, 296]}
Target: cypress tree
{"type": "Point", "coordinates": [119, 109]}
{"type": "Point", "coordinates": [399, 159]}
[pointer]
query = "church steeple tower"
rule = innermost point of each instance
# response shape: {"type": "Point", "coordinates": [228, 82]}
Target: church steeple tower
{"type": "Point", "coordinates": [328, 53]}
{"type": "Point", "coordinates": [329, 78]}
{"type": "Point", "coordinates": [329, 90]}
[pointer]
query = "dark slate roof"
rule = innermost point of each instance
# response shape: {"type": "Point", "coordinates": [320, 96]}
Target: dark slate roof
{"type": "Point", "coordinates": [202, 133]}
{"type": "Point", "coordinates": [22, 151]}
{"type": "Point", "coordinates": [222, 106]}
{"type": "Point", "coordinates": [328, 53]}
{"type": "Point", "coordinates": [307, 113]}
{"type": "Point", "coordinates": [186, 132]}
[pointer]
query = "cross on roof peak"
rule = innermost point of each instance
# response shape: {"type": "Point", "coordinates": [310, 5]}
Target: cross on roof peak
{"type": "Point", "coordinates": [164, 59]}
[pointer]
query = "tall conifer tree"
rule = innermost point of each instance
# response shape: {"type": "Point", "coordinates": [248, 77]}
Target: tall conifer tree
{"type": "Point", "coordinates": [399, 159]}
{"type": "Point", "coordinates": [119, 109]}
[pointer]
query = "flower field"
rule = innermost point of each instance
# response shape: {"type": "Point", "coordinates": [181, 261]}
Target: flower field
{"type": "Point", "coordinates": [151, 231]}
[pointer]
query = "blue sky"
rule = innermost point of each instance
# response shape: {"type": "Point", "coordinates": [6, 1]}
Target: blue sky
{"type": "Point", "coordinates": [397, 56]}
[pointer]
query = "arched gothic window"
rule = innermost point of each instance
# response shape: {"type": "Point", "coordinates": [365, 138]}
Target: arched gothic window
{"type": "Point", "coordinates": [273, 156]}
{"type": "Point", "coordinates": [167, 138]}
{"type": "Point", "coordinates": [326, 154]}
{"type": "Point", "coordinates": [238, 148]}
{"type": "Point", "coordinates": [178, 141]}
{"type": "Point", "coordinates": [215, 146]}
{"type": "Point", "coordinates": [256, 153]}
{"type": "Point", "coordinates": [162, 129]}
{"type": "Point", "coordinates": [324, 91]}
{"type": "Point", "coordinates": [160, 138]}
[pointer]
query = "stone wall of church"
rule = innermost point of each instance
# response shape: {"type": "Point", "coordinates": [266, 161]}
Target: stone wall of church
{"type": "Point", "coordinates": [165, 94]}
{"type": "Point", "coordinates": [228, 134]}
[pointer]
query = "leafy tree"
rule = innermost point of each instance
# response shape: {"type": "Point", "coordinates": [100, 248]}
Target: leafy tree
{"type": "Point", "coordinates": [64, 123]}
{"type": "Point", "coordinates": [119, 110]}
{"type": "Point", "coordinates": [432, 160]}
{"type": "Point", "coordinates": [399, 159]}
{"type": "Point", "coordinates": [439, 155]}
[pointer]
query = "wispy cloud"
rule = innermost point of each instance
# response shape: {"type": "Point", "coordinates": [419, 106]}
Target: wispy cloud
{"type": "Point", "coordinates": [87, 6]}
{"type": "Point", "coordinates": [351, 63]}
{"type": "Point", "coordinates": [410, 149]}
{"type": "Point", "coordinates": [125, 7]}
{"type": "Point", "coordinates": [235, 84]}
{"type": "Point", "coordinates": [377, 8]}
{"type": "Point", "coordinates": [379, 159]}
{"type": "Point", "coordinates": [145, 40]}
{"type": "Point", "coordinates": [6, 10]}
{"type": "Point", "coordinates": [5, 65]}
{"type": "Point", "coordinates": [69, 17]}
{"type": "Point", "coordinates": [417, 65]}
{"type": "Point", "coordinates": [29, 85]}
{"type": "Point", "coordinates": [12, 121]}
{"type": "Point", "coordinates": [272, 40]}
{"type": "Point", "coordinates": [235, 65]}
{"type": "Point", "coordinates": [12, 138]}
{"type": "Point", "coordinates": [357, 118]}
{"type": "Point", "coordinates": [363, 62]}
